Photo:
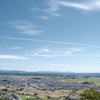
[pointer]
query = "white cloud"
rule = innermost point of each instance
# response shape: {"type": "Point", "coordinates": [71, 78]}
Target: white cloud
{"type": "Point", "coordinates": [15, 48]}
{"type": "Point", "coordinates": [64, 55]}
{"type": "Point", "coordinates": [86, 5]}
{"type": "Point", "coordinates": [26, 27]}
{"type": "Point", "coordinates": [67, 51]}
{"type": "Point", "coordinates": [76, 49]}
{"type": "Point", "coordinates": [75, 5]}
{"type": "Point", "coordinates": [53, 8]}
{"type": "Point", "coordinates": [42, 52]}
{"type": "Point", "coordinates": [13, 57]}
{"type": "Point", "coordinates": [44, 17]}
{"type": "Point", "coordinates": [55, 5]}
{"type": "Point", "coordinates": [41, 55]}
{"type": "Point", "coordinates": [58, 52]}
{"type": "Point", "coordinates": [45, 50]}
{"type": "Point", "coordinates": [62, 52]}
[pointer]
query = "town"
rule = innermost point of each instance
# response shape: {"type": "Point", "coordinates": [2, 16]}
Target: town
{"type": "Point", "coordinates": [12, 86]}
{"type": "Point", "coordinates": [45, 84]}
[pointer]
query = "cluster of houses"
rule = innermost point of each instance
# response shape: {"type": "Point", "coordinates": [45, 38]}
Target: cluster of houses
{"type": "Point", "coordinates": [7, 95]}
{"type": "Point", "coordinates": [44, 84]}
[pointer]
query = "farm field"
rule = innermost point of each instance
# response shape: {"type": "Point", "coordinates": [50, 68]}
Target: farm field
{"type": "Point", "coordinates": [94, 80]}
{"type": "Point", "coordinates": [24, 97]}
{"type": "Point", "coordinates": [40, 93]}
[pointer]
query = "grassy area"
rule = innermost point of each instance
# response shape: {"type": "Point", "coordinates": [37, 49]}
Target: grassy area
{"type": "Point", "coordinates": [96, 81]}
{"type": "Point", "coordinates": [80, 91]}
{"type": "Point", "coordinates": [24, 97]}
{"type": "Point", "coordinates": [51, 98]}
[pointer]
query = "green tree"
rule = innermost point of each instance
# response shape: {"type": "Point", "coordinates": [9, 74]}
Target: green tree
{"type": "Point", "coordinates": [48, 97]}
{"type": "Point", "coordinates": [5, 99]}
{"type": "Point", "coordinates": [35, 94]}
{"type": "Point", "coordinates": [4, 89]}
{"type": "Point", "coordinates": [90, 94]}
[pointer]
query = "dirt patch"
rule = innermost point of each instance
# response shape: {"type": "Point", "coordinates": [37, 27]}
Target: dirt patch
{"type": "Point", "coordinates": [40, 93]}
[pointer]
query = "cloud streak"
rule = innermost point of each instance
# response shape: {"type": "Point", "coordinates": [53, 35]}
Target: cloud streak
{"type": "Point", "coordinates": [87, 5]}
{"type": "Point", "coordinates": [25, 27]}
{"type": "Point", "coordinates": [13, 57]}
{"type": "Point", "coordinates": [55, 5]}
{"type": "Point", "coordinates": [56, 42]}
{"type": "Point", "coordinates": [44, 17]}
{"type": "Point", "coordinates": [74, 5]}
{"type": "Point", "coordinates": [15, 48]}
{"type": "Point", "coordinates": [65, 55]}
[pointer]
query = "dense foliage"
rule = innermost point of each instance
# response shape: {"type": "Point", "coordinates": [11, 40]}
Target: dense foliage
{"type": "Point", "coordinates": [5, 99]}
{"type": "Point", "coordinates": [90, 94]}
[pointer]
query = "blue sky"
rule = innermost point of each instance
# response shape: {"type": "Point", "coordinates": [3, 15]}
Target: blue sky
{"type": "Point", "coordinates": [50, 35]}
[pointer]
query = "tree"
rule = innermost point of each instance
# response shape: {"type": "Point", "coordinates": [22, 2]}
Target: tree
{"type": "Point", "coordinates": [48, 97]}
{"type": "Point", "coordinates": [5, 99]}
{"type": "Point", "coordinates": [90, 94]}
{"type": "Point", "coordinates": [35, 94]}
{"type": "Point", "coordinates": [4, 90]}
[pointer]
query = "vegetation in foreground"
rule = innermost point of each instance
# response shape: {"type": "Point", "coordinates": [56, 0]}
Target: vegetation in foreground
{"type": "Point", "coordinates": [90, 94]}
{"type": "Point", "coordinates": [4, 99]}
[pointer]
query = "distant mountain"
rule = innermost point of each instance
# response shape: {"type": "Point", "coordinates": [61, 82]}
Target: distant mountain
{"type": "Point", "coordinates": [12, 71]}
{"type": "Point", "coordinates": [41, 73]}
{"type": "Point", "coordinates": [53, 72]}
{"type": "Point", "coordinates": [23, 72]}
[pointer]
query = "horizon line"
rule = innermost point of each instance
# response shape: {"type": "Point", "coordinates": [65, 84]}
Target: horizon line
{"type": "Point", "coordinates": [48, 71]}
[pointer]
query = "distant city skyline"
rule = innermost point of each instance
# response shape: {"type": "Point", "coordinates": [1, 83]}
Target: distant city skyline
{"type": "Point", "coordinates": [50, 35]}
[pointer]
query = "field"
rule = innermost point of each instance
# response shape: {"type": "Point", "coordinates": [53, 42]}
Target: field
{"type": "Point", "coordinates": [94, 80]}
{"type": "Point", "coordinates": [40, 93]}
{"type": "Point", "coordinates": [24, 97]}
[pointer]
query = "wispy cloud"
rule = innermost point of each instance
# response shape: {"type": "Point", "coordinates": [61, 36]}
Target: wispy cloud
{"type": "Point", "coordinates": [14, 48]}
{"type": "Point", "coordinates": [13, 57]}
{"type": "Point", "coordinates": [56, 42]}
{"type": "Point", "coordinates": [45, 50]}
{"type": "Point", "coordinates": [53, 8]}
{"type": "Point", "coordinates": [25, 27]}
{"type": "Point", "coordinates": [86, 5]}
{"type": "Point", "coordinates": [74, 5]}
{"type": "Point", "coordinates": [65, 55]}
{"type": "Point", "coordinates": [42, 55]}
{"type": "Point", "coordinates": [67, 51]}
{"type": "Point", "coordinates": [58, 52]}
{"type": "Point", "coordinates": [44, 17]}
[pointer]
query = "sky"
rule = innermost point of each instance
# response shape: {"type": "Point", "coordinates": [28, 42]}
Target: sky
{"type": "Point", "coordinates": [50, 35]}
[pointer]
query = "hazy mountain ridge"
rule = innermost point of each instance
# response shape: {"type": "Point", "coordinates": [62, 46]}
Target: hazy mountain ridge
{"type": "Point", "coordinates": [18, 71]}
